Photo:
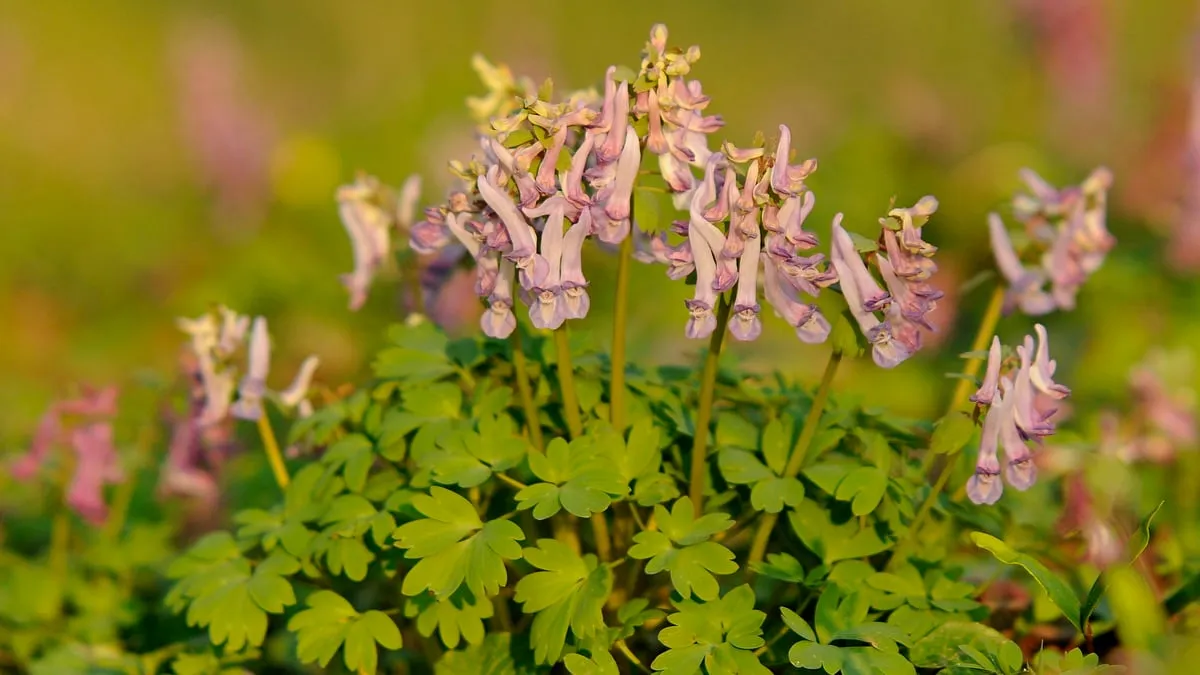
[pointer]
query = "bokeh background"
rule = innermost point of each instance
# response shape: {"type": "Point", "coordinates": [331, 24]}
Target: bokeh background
{"type": "Point", "coordinates": [160, 157]}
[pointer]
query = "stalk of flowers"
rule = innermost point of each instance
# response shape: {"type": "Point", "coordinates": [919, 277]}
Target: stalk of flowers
{"type": "Point", "coordinates": [215, 342]}
{"type": "Point", "coordinates": [1162, 419]}
{"type": "Point", "coordinates": [1068, 240]}
{"type": "Point", "coordinates": [1021, 399]}
{"type": "Point", "coordinates": [195, 450]}
{"type": "Point", "coordinates": [370, 211]}
{"type": "Point", "coordinates": [552, 174]}
{"type": "Point", "coordinates": [906, 266]}
{"type": "Point", "coordinates": [84, 424]}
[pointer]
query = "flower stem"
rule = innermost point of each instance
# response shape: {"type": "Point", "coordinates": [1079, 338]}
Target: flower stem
{"type": "Point", "coordinates": [796, 462]}
{"type": "Point", "coordinates": [566, 383]}
{"type": "Point", "coordinates": [616, 389]}
{"type": "Point", "coordinates": [708, 385]}
{"type": "Point", "coordinates": [521, 372]}
{"type": "Point", "coordinates": [987, 328]}
{"type": "Point", "coordinates": [570, 401]}
{"type": "Point", "coordinates": [272, 447]}
{"type": "Point", "coordinates": [119, 512]}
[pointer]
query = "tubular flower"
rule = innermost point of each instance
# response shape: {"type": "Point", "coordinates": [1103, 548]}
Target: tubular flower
{"type": "Point", "coordinates": [368, 212]}
{"type": "Point", "coordinates": [1068, 236]}
{"type": "Point", "coordinates": [864, 297]}
{"type": "Point", "coordinates": [1020, 407]}
{"type": "Point", "coordinates": [85, 425]}
{"type": "Point", "coordinates": [214, 348]}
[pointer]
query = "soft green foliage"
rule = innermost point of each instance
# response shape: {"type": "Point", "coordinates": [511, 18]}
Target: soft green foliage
{"type": "Point", "coordinates": [447, 515]}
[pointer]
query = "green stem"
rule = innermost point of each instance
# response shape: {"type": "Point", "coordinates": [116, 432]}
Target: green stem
{"type": "Point", "coordinates": [616, 389]}
{"type": "Point", "coordinates": [570, 402]}
{"type": "Point", "coordinates": [987, 328]}
{"type": "Point", "coordinates": [521, 372]}
{"type": "Point", "coordinates": [119, 513]}
{"type": "Point", "coordinates": [708, 385]}
{"type": "Point", "coordinates": [624, 649]}
{"type": "Point", "coordinates": [796, 462]}
{"type": "Point", "coordinates": [412, 278]}
{"type": "Point", "coordinates": [566, 383]}
{"type": "Point", "coordinates": [274, 456]}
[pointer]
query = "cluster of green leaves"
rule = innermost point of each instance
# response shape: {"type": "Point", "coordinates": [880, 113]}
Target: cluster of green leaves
{"type": "Point", "coordinates": [427, 517]}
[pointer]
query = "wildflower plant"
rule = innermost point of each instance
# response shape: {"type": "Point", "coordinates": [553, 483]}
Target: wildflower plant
{"type": "Point", "coordinates": [519, 501]}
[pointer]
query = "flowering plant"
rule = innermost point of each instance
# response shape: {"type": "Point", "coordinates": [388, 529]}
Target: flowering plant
{"type": "Point", "coordinates": [433, 518]}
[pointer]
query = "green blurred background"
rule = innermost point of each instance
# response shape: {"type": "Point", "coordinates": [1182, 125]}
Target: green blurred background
{"type": "Point", "coordinates": [158, 157]}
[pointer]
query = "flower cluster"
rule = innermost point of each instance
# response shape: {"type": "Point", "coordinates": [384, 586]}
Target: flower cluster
{"type": "Point", "coordinates": [1021, 399]}
{"type": "Point", "coordinates": [214, 342]}
{"type": "Point", "coordinates": [906, 266]}
{"type": "Point", "coordinates": [1068, 237]}
{"type": "Point", "coordinates": [85, 424]}
{"type": "Point", "coordinates": [551, 174]}
{"type": "Point", "coordinates": [1162, 421]}
{"type": "Point", "coordinates": [369, 211]}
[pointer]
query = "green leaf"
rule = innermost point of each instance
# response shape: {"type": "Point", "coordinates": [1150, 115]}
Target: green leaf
{"type": "Point", "coordinates": [722, 634]}
{"type": "Point", "coordinates": [330, 623]}
{"type": "Point", "coordinates": [353, 455]}
{"type": "Point", "coordinates": [580, 478]}
{"type": "Point", "coordinates": [1059, 591]}
{"type": "Point", "coordinates": [681, 547]}
{"type": "Point", "coordinates": [569, 592]}
{"type": "Point", "coordinates": [601, 663]}
{"type": "Point", "coordinates": [467, 458]}
{"type": "Point", "coordinates": [268, 586]}
{"type": "Point", "coordinates": [458, 617]}
{"type": "Point", "coordinates": [952, 433]}
{"type": "Point", "coordinates": [499, 654]}
{"type": "Point", "coordinates": [417, 354]}
{"type": "Point", "coordinates": [1137, 546]}
{"type": "Point", "coordinates": [781, 566]}
{"type": "Point", "coordinates": [775, 446]}
{"type": "Point", "coordinates": [773, 494]}
{"type": "Point", "coordinates": [454, 545]}
{"type": "Point", "coordinates": [740, 467]}
{"type": "Point", "coordinates": [868, 661]}
{"type": "Point", "coordinates": [797, 625]}
{"type": "Point", "coordinates": [813, 656]}
{"type": "Point", "coordinates": [865, 487]}
{"type": "Point", "coordinates": [942, 647]}
{"type": "Point", "coordinates": [831, 541]}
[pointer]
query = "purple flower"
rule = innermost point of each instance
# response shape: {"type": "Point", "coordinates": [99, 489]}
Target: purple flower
{"type": "Point", "coordinates": [1025, 285]}
{"type": "Point", "coordinates": [746, 325]}
{"type": "Point", "coordinates": [545, 176]}
{"type": "Point", "coordinates": [702, 321]}
{"type": "Point", "coordinates": [811, 327]}
{"type": "Point", "coordinates": [96, 460]}
{"type": "Point", "coordinates": [575, 301]}
{"type": "Point", "coordinates": [524, 245]}
{"type": "Point", "coordinates": [788, 180]}
{"type": "Point", "coordinates": [430, 235]}
{"type": "Point", "coordinates": [254, 384]}
{"type": "Point", "coordinates": [368, 226]}
{"type": "Point", "coordinates": [1042, 372]}
{"type": "Point", "coordinates": [296, 395]}
{"type": "Point", "coordinates": [547, 311]}
{"type": "Point", "coordinates": [862, 295]}
{"type": "Point", "coordinates": [498, 320]}
{"type": "Point", "coordinates": [985, 487]}
{"type": "Point", "coordinates": [987, 390]}
{"type": "Point", "coordinates": [615, 139]}
{"type": "Point", "coordinates": [96, 465]}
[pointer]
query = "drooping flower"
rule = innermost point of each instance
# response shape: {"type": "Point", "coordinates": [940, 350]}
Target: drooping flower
{"type": "Point", "coordinates": [214, 350]}
{"type": "Point", "coordinates": [258, 363]}
{"type": "Point", "coordinates": [1067, 234]}
{"type": "Point", "coordinates": [85, 425]}
{"type": "Point", "coordinates": [1020, 407]}
{"type": "Point", "coordinates": [368, 219]}
{"type": "Point", "coordinates": [864, 297]}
